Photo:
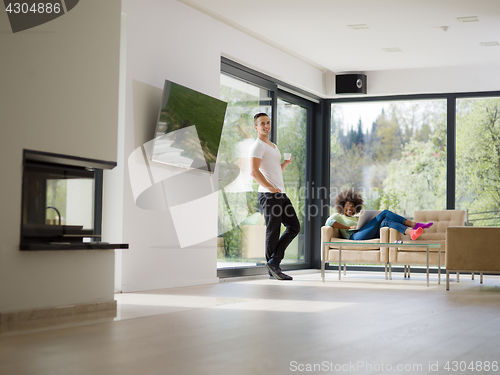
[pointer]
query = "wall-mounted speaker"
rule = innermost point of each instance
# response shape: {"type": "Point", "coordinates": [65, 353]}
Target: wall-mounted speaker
{"type": "Point", "coordinates": [350, 84]}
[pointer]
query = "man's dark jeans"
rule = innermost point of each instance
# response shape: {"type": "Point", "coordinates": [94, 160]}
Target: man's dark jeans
{"type": "Point", "coordinates": [278, 210]}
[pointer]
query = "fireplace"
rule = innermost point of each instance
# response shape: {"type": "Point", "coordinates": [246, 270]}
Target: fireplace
{"type": "Point", "coordinates": [62, 202]}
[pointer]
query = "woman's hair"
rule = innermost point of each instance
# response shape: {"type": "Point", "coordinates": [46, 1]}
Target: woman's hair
{"type": "Point", "coordinates": [349, 195]}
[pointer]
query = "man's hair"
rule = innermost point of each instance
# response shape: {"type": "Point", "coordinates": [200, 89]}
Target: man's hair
{"type": "Point", "coordinates": [349, 195]}
{"type": "Point", "coordinates": [261, 114]}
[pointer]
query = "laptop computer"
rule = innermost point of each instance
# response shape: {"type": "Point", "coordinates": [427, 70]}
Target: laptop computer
{"type": "Point", "coordinates": [365, 216]}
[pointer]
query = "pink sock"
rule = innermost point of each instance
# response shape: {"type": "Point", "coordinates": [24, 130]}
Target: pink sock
{"type": "Point", "coordinates": [415, 233]}
{"type": "Point", "coordinates": [424, 226]}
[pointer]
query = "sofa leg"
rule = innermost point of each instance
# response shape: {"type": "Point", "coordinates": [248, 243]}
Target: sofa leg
{"type": "Point", "coordinates": [345, 268]}
{"type": "Point", "coordinates": [409, 268]}
{"type": "Point", "coordinates": [481, 277]}
{"type": "Point", "coordinates": [447, 280]}
{"type": "Point", "coordinates": [405, 271]}
{"type": "Point", "coordinates": [458, 277]}
{"type": "Point", "coordinates": [386, 271]}
{"type": "Point", "coordinates": [390, 271]}
{"type": "Point", "coordinates": [323, 260]}
{"type": "Point", "coordinates": [472, 276]}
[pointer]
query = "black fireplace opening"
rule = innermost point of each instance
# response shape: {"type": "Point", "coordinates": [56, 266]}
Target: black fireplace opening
{"type": "Point", "coordinates": [62, 202]}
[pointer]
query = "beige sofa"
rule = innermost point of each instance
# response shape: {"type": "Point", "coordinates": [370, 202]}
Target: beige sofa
{"type": "Point", "coordinates": [436, 234]}
{"type": "Point", "coordinates": [472, 249]}
{"type": "Point", "coordinates": [365, 254]}
{"type": "Point", "coordinates": [394, 255]}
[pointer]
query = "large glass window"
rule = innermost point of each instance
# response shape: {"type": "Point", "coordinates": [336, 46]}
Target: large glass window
{"type": "Point", "coordinates": [394, 153]}
{"type": "Point", "coordinates": [478, 160]}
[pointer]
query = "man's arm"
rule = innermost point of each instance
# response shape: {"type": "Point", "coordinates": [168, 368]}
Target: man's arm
{"type": "Point", "coordinates": [259, 177]}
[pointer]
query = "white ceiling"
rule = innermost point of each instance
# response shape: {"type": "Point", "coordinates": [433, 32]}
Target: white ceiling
{"type": "Point", "coordinates": [317, 31]}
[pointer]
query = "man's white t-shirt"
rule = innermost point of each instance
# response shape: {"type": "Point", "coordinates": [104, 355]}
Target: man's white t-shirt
{"type": "Point", "coordinates": [270, 165]}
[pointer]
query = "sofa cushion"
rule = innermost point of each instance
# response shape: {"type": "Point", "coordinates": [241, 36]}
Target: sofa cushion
{"type": "Point", "coordinates": [417, 257]}
{"type": "Point", "coordinates": [417, 248]}
{"type": "Point", "coordinates": [440, 216]}
{"type": "Point", "coordinates": [355, 256]}
{"type": "Point", "coordinates": [356, 246]}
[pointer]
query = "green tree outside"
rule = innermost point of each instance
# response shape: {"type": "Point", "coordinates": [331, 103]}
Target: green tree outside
{"type": "Point", "coordinates": [478, 160]}
{"type": "Point", "coordinates": [398, 163]}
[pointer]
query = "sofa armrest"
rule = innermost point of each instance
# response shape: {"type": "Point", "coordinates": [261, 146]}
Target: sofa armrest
{"type": "Point", "coordinates": [390, 235]}
{"type": "Point", "coordinates": [394, 236]}
{"type": "Point", "coordinates": [384, 237]}
{"type": "Point", "coordinates": [327, 233]}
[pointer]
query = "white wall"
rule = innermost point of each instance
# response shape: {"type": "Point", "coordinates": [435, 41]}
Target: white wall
{"type": "Point", "coordinates": [452, 79]}
{"type": "Point", "coordinates": [169, 40]}
{"type": "Point", "coordinates": [435, 80]}
{"type": "Point", "coordinates": [58, 93]}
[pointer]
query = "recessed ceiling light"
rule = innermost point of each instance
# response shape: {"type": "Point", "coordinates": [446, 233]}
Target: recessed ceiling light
{"type": "Point", "coordinates": [358, 27]}
{"type": "Point", "coordinates": [395, 49]}
{"type": "Point", "coordinates": [468, 19]}
{"type": "Point", "coordinates": [489, 44]}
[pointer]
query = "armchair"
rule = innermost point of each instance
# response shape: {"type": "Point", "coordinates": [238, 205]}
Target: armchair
{"type": "Point", "coordinates": [472, 249]}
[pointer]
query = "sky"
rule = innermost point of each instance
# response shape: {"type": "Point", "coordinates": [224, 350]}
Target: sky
{"type": "Point", "coordinates": [368, 112]}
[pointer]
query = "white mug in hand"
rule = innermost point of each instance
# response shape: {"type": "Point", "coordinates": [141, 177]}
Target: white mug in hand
{"type": "Point", "coordinates": [287, 155]}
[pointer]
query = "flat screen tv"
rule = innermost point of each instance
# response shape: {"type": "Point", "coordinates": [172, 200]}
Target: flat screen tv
{"type": "Point", "coordinates": [188, 129]}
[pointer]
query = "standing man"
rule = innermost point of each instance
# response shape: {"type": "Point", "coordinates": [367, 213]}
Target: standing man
{"type": "Point", "coordinates": [266, 169]}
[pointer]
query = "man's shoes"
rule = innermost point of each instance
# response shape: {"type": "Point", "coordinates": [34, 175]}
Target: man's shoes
{"type": "Point", "coordinates": [285, 276]}
{"type": "Point", "coordinates": [277, 274]}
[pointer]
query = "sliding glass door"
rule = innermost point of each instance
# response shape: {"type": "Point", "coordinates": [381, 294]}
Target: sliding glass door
{"type": "Point", "coordinates": [241, 240]}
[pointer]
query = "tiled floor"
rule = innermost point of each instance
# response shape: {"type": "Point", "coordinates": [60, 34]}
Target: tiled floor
{"type": "Point", "coordinates": [363, 325]}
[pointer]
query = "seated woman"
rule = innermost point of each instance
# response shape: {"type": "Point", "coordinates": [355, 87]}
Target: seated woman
{"type": "Point", "coordinates": [349, 203]}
